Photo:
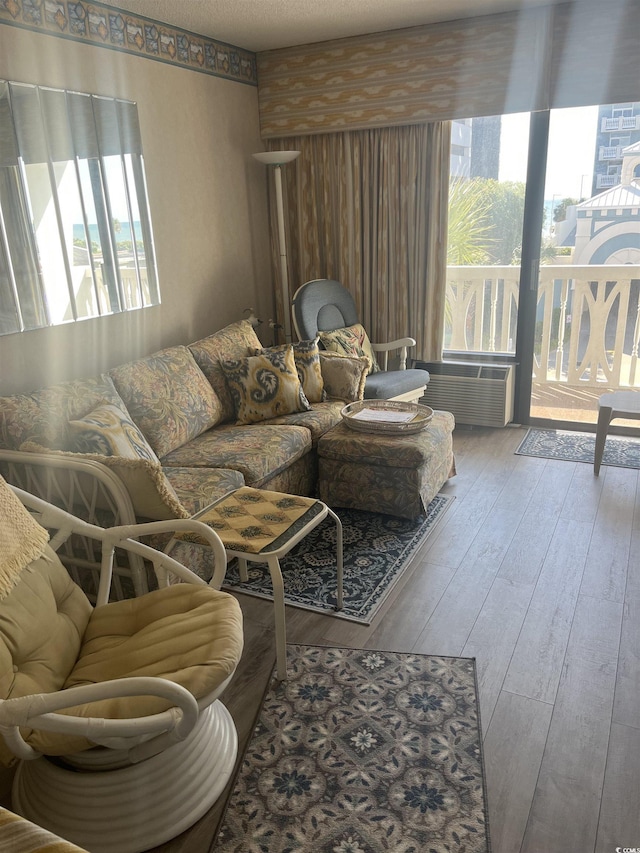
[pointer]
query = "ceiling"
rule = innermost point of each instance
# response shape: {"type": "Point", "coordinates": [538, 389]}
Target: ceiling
{"type": "Point", "coordinates": [267, 24]}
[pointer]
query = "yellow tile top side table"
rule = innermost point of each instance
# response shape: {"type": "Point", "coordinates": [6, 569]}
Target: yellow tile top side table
{"type": "Point", "coordinates": [262, 526]}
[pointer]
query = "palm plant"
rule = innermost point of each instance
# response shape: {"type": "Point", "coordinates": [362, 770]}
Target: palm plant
{"type": "Point", "coordinates": [468, 223]}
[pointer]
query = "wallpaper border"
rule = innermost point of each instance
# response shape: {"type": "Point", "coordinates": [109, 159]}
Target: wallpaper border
{"type": "Point", "coordinates": [116, 29]}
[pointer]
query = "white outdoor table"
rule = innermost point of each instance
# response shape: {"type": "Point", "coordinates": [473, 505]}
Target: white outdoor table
{"type": "Point", "coordinates": [617, 404]}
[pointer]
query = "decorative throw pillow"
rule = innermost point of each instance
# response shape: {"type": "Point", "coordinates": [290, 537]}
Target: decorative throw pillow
{"type": "Point", "coordinates": [344, 375]}
{"type": "Point", "coordinates": [307, 359]}
{"type": "Point", "coordinates": [352, 340]}
{"type": "Point", "coordinates": [265, 386]}
{"type": "Point", "coordinates": [169, 398]}
{"type": "Point", "coordinates": [237, 340]}
{"type": "Point", "coordinates": [109, 431]}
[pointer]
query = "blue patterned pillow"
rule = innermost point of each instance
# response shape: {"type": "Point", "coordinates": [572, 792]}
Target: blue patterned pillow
{"type": "Point", "coordinates": [265, 386]}
{"type": "Point", "coordinates": [109, 430]}
{"type": "Point", "coordinates": [307, 358]}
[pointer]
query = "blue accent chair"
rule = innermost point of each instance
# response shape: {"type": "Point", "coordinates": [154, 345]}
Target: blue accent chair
{"type": "Point", "coordinates": [323, 305]}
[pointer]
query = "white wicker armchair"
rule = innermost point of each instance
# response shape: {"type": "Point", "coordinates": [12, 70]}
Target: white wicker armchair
{"type": "Point", "coordinates": [88, 490]}
{"type": "Point", "coordinates": [125, 692]}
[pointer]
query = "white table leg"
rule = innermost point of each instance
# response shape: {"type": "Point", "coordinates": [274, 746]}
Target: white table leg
{"type": "Point", "coordinates": [242, 570]}
{"type": "Point", "coordinates": [604, 419]}
{"type": "Point", "coordinates": [279, 616]}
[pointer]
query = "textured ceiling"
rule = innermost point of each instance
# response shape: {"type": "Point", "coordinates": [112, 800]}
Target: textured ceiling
{"type": "Point", "coordinates": [266, 24]}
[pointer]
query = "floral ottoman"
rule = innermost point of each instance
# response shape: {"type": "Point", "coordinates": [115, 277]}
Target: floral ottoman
{"type": "Point", "coordinates": [391, 474]}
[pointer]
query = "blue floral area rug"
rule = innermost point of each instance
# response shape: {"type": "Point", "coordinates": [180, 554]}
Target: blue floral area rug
{"type": "Point", "coordinates": [579, 447]}
{"type": "Point", "coordinates": [362, 751]}
{"type": "Point", "coordinates": [377, 549]}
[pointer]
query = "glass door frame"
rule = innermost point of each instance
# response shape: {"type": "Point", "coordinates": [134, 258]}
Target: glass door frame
{"type": "Point", "coordinates": [532, 231]}
{"type": "Point", "coordinates": [530, 264]}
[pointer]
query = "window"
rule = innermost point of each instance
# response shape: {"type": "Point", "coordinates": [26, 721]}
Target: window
{"type": "Point", "coordinates": [619, 110]}
{"type": "Point", "coordinates": [75, 229]}
{"type": "Point", "coordinates": [485, 222]}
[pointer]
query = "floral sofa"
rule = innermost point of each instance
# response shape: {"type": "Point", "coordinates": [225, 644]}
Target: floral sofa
{"type": "Point", "coordinates": [168, 434]}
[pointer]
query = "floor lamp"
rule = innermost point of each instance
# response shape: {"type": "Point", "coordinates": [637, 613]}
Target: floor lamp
{"type": "Point", "coordinates": [278, 159]}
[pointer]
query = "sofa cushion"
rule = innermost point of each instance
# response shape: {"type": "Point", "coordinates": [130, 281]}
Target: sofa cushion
{"type": "Point", "coordinates": [196, 488]}
{"type": "Point", "coordinates": [43, 416]}
{"type": "Point", "coordinates": [307, 359]}
{"type": "Point", "coordinates": [109, 431]}
{"type": "Point", "coordinates": [265, 386]}
{"type": "Point", "coordinates": [344, 376]}
{"type": "Point", "coordinates": [318, 420]}
{"type": "Point", "coordinates": [258, 452]}
{"type": "Point", "coordinates": [350, 340]}
{"type": "Point", "coordinates": [234, 341]}
{"type": "Point", "coordinates": [168, 397]}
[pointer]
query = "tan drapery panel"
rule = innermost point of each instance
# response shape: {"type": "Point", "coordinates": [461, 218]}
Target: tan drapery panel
{"type": "Point", "coordinates": [369, 209]}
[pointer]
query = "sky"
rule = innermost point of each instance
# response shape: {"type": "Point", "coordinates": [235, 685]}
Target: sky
{"type": "Point", "coordinates": [572, 139]}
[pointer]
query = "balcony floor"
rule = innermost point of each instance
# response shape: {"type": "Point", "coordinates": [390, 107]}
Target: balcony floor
{"type": "Point", "coordinates": [560, 402]}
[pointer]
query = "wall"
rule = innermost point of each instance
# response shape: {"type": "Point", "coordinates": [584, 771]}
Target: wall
{"type": "Point", "coordinates": [208, 201]}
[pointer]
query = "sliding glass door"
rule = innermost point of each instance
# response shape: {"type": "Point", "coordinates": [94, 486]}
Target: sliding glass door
{"type": "Point", "coordinates": [486, 212]}
{"type": "Point", "coordinates": [544, 254]}
{"type": "Point", "coordinates": [587, 323]}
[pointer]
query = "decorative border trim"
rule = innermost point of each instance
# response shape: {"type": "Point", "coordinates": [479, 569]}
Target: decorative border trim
{"type": "Point", "coordinates": [116, 29]}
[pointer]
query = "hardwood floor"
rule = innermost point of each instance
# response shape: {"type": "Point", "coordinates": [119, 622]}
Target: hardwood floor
{"type": "Point", "coordinates": [535, 572]}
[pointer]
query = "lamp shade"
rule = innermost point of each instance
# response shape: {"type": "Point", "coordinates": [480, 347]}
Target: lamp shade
{"type": "Point", "coordinates": [276, 158]}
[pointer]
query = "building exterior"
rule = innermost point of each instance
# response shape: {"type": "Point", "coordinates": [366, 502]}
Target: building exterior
{"type": "Point", "coordinates": [475, 147]}
{"type": "Point", "coordinates": [460, 165]}
{"type": "Point", "coordinates": [485, 146]}
{"type": "Point", "coordinates": [618, 128]}
{"type": "Point", "coordinates": [608, 225]}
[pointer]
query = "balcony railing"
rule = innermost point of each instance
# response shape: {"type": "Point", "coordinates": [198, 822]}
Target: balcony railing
{"type": "Point", "coordinates": [610, 152]}
{"type": "Point", "coordinates": [620, 123]}
{"type": "Point", "coordinates": [587, 320]}
{"type": "Point", "coordinates": [604, 181]}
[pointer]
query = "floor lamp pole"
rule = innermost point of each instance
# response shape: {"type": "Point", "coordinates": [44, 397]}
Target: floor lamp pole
{"type": "Point", "coordinates": [278, 159]}
{"type": "Point", "coordinates": [284, 273]}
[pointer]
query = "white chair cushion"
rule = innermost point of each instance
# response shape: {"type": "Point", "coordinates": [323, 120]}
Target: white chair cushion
{"type": "Point", "coordinates": [42, 622]}
{"type": "Point", "coordinates": [51, 639]}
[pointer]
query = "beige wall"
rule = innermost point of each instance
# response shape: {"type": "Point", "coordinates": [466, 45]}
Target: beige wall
{"type": "Point", "coordinates": [208, 205]}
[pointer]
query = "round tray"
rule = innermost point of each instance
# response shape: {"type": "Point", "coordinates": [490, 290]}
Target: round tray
{"type": "Point", "coordinates": [421, 419]}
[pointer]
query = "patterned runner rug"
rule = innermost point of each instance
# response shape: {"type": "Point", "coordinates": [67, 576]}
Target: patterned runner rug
{"type": "Point", "coordinates": [579, 447]}
{"type": "Point", "coordinates": [377, 549]}
{"type": "Point", "coordinates": [363, 751]}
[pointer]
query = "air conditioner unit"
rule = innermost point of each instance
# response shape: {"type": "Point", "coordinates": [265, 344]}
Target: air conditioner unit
{"type": "Point", "coordinates": [476, 394]}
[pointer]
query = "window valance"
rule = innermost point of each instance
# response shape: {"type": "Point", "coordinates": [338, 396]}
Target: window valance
{"type": "Point", "coordinates": [566, 55]}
